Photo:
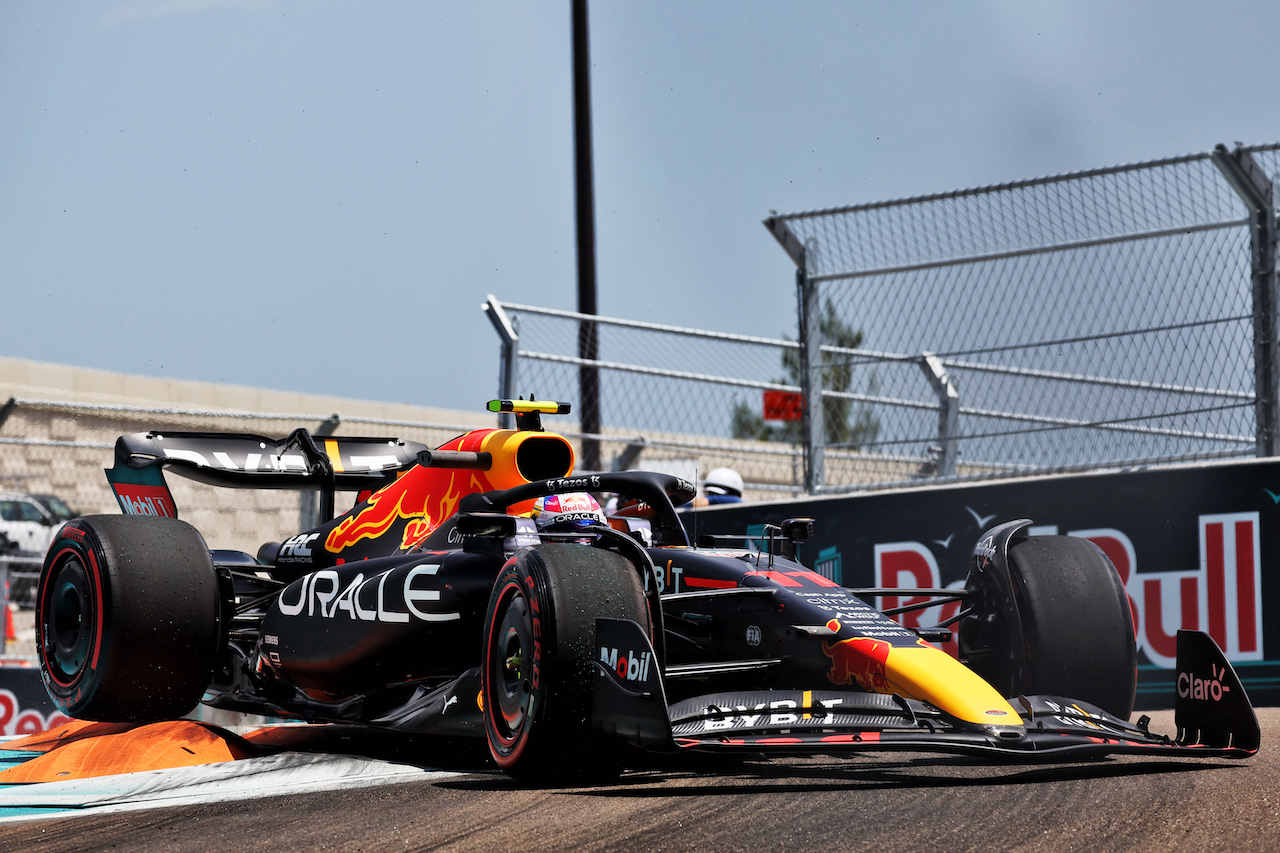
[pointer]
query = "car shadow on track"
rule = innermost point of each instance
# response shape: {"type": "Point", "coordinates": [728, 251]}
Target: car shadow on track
{"type": "Point", "coordinates": [429, 752]}
{"type": "Point", "coordinates": [737, 777]}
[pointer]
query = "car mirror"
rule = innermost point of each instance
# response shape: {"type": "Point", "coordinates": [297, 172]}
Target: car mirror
{"type": "Point", "coordinates": [491, 525]}
{"type": "Point", "coordinates": [798, 529]}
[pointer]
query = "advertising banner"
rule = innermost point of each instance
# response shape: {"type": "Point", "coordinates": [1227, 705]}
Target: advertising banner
{"type": "Point", "coordinates": [25, 708]}
{"type": "Point", "coordinates": [1195, 545]}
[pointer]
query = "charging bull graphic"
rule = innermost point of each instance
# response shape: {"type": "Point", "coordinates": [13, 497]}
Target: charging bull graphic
{"type": "Point", "coordinates": [859, 660]}
{"type": "Point", "coordinates": [405, 503]}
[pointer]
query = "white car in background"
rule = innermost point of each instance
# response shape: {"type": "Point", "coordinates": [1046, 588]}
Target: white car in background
{"type": "Point", "coordinates": [28, 523]}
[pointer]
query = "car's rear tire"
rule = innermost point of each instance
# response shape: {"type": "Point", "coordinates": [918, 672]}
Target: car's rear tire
{"type": "Point", "coordinates": [1076, 626]}
{"type": "Point", "coordinates": [127, 618]}
{"type": "Point", "coordinates": [538, 675]}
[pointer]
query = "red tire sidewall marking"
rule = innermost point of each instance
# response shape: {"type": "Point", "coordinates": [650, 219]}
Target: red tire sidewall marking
{"type": "Point", "coordinates": [94, 578]}
{"type": "Point", "coordinates": [506, 750]}
{"type": "Point", "coordinates": [99, 617]}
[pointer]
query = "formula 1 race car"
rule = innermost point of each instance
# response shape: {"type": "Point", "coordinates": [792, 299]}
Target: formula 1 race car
{"type": "Point", "coordinates": [438, 605]}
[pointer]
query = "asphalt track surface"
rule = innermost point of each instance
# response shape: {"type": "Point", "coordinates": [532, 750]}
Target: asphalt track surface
{"type": "Point", "coordinates": [884, 802]}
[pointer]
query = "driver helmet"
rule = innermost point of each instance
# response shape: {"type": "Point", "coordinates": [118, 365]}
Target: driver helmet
{"type": "Point", "coordinates": [567, 513]}
{"type": "Point", "coordinates": [723, 481]}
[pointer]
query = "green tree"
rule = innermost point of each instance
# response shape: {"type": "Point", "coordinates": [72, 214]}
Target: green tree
{"type": "Point", "coordinates": [841, 426]}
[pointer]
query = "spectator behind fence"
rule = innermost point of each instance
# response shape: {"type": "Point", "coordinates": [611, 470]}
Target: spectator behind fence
{"type": "Point", "coordinates": [722, 486]}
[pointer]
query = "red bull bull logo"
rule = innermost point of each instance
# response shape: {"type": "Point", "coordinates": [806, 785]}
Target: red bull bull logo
{"type": "Point", "coordinates": [859, 660]}
{"type": "Point", "coordinates": [420, 500]}
{"type": "Point", "coordinates": [382, 511]}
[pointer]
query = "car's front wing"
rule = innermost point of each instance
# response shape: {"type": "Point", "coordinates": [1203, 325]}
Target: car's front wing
{"type": "Point", "coordinates": [1212, 714]}
{"type": "Point", "coordinates": [1055, 728]}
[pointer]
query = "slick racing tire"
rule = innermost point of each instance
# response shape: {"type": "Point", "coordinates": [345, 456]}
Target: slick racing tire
{"type": "Point", "coordinates": [127, 625]}
{"type": "Point", "coordinates": [1076, 627]}
{"type": "Point", "coordinates": [539, 652]}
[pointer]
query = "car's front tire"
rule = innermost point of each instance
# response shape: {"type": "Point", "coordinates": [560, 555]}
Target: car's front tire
{"type": "Point", "coordinates": [539, 651]}
{"type": "Point", "coordinates": [1074, 621]}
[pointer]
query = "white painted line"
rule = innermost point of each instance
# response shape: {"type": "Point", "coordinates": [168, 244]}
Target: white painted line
{"type": "Point", "coordinates": [250, 778]}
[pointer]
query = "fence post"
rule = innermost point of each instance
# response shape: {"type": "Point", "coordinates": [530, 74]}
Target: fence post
{"type": "Point", "coordinates": [809, 320]}
{"type": "Point", "coordinates": [7, 409]}
{"type": "Point", "coordinates": [585, 208]}
{"type": "Point", "coordinates": [811, 377]}
{"type": "Point", "coordinates": [948, 412]}
{"type": "Point", "coordinates": [310, 512]}
{"type": "Point", "coordinates": [509, 360]}
{"type": "Point", "coordinates": [1254, 188]}
{"type": "Point", "coordinates": [4, 602]}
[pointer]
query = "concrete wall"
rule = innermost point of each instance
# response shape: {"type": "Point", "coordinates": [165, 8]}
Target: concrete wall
{"type": "Point", "coordinates": [59, 438]}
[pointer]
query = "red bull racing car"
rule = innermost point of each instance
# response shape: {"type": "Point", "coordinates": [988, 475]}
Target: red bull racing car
{"type": "Point", "coordinates": [439, 604]}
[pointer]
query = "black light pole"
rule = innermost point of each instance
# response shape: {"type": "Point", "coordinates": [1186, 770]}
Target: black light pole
{"type": "Point", "coordinates": [584, 186]}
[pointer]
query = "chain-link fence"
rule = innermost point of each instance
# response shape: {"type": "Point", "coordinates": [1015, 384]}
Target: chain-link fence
{"type": "Point", "coordinates": [1096, 319]}
{"type": "Point", "coordinates": [1119, 316]}
{"type": "Point", "coordinates": [671, 399]}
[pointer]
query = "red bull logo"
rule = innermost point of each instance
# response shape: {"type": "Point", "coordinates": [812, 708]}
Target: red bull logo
{"type": "Point", "coordinates": [859, 660]}
{"type": "Point", "coordinates": [1222, 596]}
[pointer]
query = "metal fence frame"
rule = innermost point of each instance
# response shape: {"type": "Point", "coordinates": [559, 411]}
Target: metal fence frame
{"type": "Point", "coordinates": [510, 355]}
{"type": "Point", "coordinates": [1241, 171]}
{"type": "Point", "coordinates": [631, 440]}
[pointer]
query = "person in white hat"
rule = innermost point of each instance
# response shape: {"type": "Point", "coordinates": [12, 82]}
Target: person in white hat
{"type": "Point", "coordinates": [722, 486]}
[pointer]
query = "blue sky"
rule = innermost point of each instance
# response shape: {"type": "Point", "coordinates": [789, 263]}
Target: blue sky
{"type": "Point", "coordinates": [317, 196]}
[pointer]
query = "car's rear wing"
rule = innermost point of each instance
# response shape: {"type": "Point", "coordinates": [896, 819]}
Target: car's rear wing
{"type": "Point", "coordinates": [237, 460]}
